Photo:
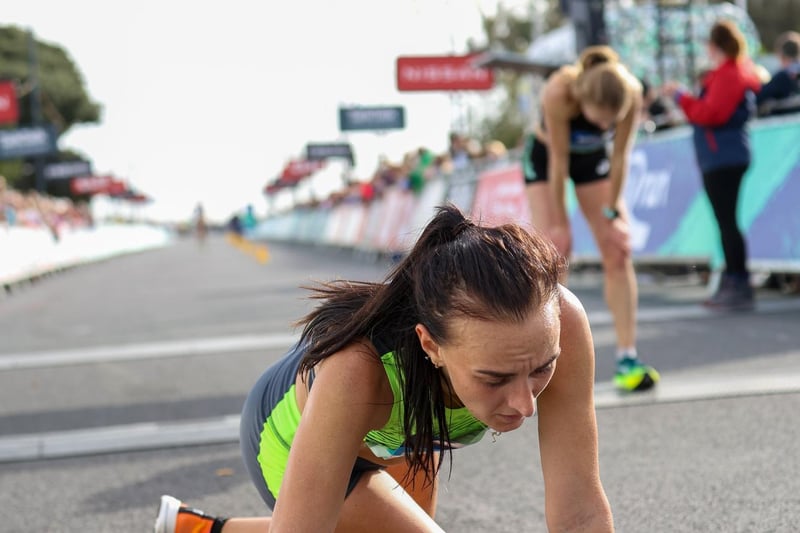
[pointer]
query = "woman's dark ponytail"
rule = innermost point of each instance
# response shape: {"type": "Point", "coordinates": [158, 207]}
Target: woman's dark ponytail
{"type": "Point", "coordinates": [445, 226]}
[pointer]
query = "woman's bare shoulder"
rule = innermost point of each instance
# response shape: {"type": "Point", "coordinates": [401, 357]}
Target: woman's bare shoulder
{"type": "Point", "coordinates": [358, 356]}
{"type": "Point", "coordinates": [557, 94]}
{"type": "Point", "coordinates": [572, 311]}
{"type": "Point", "coordinates": [358, 365]}
{"type": "Point", "coordinates": [575, 369]}
{"type": "Point", "coordinates": [633, 83]}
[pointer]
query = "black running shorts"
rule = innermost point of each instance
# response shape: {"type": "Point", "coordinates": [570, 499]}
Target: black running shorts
{"type": "Point", "coordinates": [583, 167]}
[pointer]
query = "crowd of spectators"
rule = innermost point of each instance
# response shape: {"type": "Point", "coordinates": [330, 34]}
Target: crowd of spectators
{"type": "Point", "coordinates": [780, 94]}
{"type": "Point", "coordinates": [31, 209]}
{"type": "Point", "coordinates": [419, 166]}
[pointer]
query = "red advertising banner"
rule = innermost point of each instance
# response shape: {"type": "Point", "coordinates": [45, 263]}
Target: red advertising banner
{"type": "Point", "coordinates": [500, 198]}
{"type": "Point", "coordinates": [272, 188]}
{"type": "Point", "coordinates": [297, 169]}
{"type": "Point", "coordinates": [9, 108]}
{"type": "Point", "coordinates": [96, 185]}
{"type": "Point", "coordinates": [442, 73]}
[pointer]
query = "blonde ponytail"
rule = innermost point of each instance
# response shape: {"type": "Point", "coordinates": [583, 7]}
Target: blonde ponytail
{"type": "Point", "coordinates": [602, 80]}
{"type": "Point", "coordinates": [596, 55]}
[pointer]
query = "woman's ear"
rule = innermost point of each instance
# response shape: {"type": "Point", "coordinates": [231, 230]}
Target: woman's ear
{"type": "Point", "coordinates": [429, 346]}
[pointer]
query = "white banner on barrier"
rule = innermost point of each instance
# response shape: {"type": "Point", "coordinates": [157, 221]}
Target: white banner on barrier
{"type": "Point", "coordinates": [398, 205]}
{"type": "Point", "coordinates": [30, 252]}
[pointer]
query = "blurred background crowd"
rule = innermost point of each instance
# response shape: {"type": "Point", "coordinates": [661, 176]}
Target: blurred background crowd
{"type": "Point", "coordinates": [30, 209]}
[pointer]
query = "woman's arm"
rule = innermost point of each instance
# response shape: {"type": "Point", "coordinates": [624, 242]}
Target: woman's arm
{"type": "Point", "coordinates": [624, 137]}
{"type": "Point", "coordinates": [347, 400]}
{"type": "Point", "coordinates": [556, 103]}
{"type": "Point", "coordinates": [574, 496]}
{"type": "Point", "coordinates": [724, 92]}
{"type": "Point", "coordinates": [779, 86]}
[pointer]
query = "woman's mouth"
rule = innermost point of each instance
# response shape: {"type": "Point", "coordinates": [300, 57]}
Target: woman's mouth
{"type": "Point", "coordinates": [509, 422]}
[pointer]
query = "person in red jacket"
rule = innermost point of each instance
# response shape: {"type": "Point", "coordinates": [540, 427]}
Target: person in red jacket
{"type": "Point", "coordinates": [719, 116]}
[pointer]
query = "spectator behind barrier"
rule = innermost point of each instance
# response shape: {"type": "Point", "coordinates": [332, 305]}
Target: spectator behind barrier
{"type": "Point", "coordinates": [421, 162]}
{"type": "Point", "coordinates": [34, 210]}
{"type": "Point", "coordinates": [719, 115]}
{"type": "Point", "coordinates": [459, 154]}
{"type": "Point", "coordinates": [781, 95]}
{"type": "Point", "coordinates": [8, 214]}
{"type": "Point", "coordinates": [656, 112]}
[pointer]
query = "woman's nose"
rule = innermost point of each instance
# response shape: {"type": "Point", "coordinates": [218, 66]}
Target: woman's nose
{"type": "Point", "coordinates": [523, 400]}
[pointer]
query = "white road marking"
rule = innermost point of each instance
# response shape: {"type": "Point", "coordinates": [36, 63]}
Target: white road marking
{"type": "Point", "coordinates": [699, 386]}
{"type": "Point", "coordinates": [122, 438]}
{"type": "Point", "coordinates": [692, 312]}
{"type": "Point", "coordinates": [151, 350]}
{"type": "Point", "coordinates": [149, 436]}
{"type": "Point", "coordinates": [191, 347]}
{"type": "Point", "coordinates": [152, 436]}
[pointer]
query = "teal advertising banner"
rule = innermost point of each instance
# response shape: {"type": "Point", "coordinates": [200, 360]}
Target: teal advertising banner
{"type": "Point", "coordinates": [671, 217]}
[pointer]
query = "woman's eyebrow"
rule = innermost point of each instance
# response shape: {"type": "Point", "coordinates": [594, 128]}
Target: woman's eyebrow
{"type": "Point", "coordinates": [497, 374]}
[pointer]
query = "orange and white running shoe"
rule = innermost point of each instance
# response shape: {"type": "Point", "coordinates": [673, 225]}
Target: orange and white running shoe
{"type": "Point", "coordinates": [175, 517]}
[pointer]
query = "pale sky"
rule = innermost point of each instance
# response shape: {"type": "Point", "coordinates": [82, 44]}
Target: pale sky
{"type": "Point", "coordinates": [206, 101]}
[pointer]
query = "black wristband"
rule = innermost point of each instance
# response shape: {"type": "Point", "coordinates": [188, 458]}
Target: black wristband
{"type": "Point", "coordinates": [610, 213]}
{"type": "Point", "coordinates": [216, 527]}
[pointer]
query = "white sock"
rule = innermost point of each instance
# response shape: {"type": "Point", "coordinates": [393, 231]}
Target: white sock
{"type": "Point", "coordinates": [626, 352]}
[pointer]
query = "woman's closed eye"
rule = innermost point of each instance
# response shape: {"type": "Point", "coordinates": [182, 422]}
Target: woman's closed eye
{"type": "Point", "coordinates": [494, 383]}
{"type": "Point", "coordinates": [543, 371]}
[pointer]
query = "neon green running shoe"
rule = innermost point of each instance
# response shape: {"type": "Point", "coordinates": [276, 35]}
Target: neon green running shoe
{"type": "Point", "coordinates": [632, 375]}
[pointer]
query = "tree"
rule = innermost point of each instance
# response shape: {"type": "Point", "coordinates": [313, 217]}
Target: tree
{"type": "Point", "coordinates": [773, 18]}
{"type": "Point", "coordinates": [513, 31]}
{"type": "Point", "coordinates": [64, 99]}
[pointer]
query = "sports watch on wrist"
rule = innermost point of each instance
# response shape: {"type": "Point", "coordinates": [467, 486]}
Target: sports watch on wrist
{"type": "Point", "coordinates": [610, 213]}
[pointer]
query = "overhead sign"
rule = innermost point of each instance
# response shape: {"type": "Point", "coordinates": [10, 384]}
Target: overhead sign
{"type": "Point", "coordinates": [297, 169]}
{"type": "Point", "coordinates": [9, 108]}
{"type": "Point", "coordinates": [67, 169]}
{"type": "Point", "coordinates": [442, 73]}
{"type": "Point", "coordinates": [372, 118]}
{"type": "Point", "coordinates": [23, 142]}
{"type": "Point", "coordinates": [97, 184]}
{"type": "Point", "coordinates": [323, 151]}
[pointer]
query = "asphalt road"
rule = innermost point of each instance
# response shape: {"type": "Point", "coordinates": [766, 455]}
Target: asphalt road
{"type": "Point", "coordinates": [123, 380]}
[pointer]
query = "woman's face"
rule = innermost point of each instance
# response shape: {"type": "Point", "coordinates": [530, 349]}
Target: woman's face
{"type": "Point", "coordinates": [716, 55]}
{"type": "Point", "coordinates": [497, 369]}
{"type": "Point", "coordinates": [601, 117]}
